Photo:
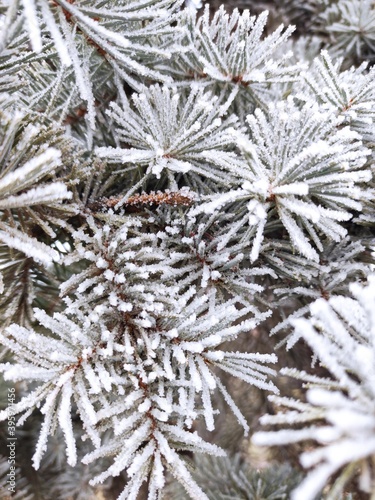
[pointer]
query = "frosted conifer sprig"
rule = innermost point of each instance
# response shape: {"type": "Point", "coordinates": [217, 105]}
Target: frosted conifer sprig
{"type": "Point", "coordinates": [28, 163]}
{"type": "Point", "coordinates": [228, 50]}
{"type": "Point", "coordinates": [119, 33]}
{"type": "Point", "coordinates": [223, 478]}
{"type": "Point", "coordinates": [300, 168]}
{"type": "Point", "coordinates": [200, 261]}
{"type": "Point", "coordinates": [350, 93]}
{"type": "Point", "coordinates": [63, 366]}
{"type": "Point", "coordinates": [152, 460]}
{"type": "Point", "coordinates": [174, 381]}
{"type": "Point", "coordinates": [153, 265]}
{"type": "Point", "coordinates": [350, 26]}
{"type": "Point", "coordinates": [128, 273]}
{"type": "Point", "coordinates": [340, 265]}
{"type": "Point", "coordinates": [188, 250]}
{"type": "Point", "coordinates": [148, 386]}
{"type": "Point", "coordinates": [174, 133]}
{"type": "Point", "coordinates": [52, 94]}
{"type": "Point", "coordinates": [239, 179]}
{"type": "Point", "coordinates": [26, 284]}
{"type": "Point", "coordinates": [341, 333]}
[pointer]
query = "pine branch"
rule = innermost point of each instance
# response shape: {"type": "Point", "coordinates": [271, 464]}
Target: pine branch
{"type": "Point", "coordinates": [309, 179]}
{"type": "Point", "coordinates": [169, 179]}
{"type": "Point", "coordinates": [341, 333]}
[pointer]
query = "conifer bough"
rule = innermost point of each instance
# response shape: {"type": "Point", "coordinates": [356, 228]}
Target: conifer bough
{"type": "Point", "coordinates": [178, 189]}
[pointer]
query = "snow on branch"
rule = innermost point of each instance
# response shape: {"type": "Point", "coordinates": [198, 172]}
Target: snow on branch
{"type": "Point", "coordinates": [301, 167]}
{"type": "Point", "coordinates": [231, 49]}
{"type": "Point", "coordinates": [25, 182]}
{"type": "Point", "coordinates": [341, 333]}
{"type": "Point", "coordinates": [115, 33]}
{"type": "Point", "coordinates": [340, 265]}
{"type": "Point", "coordinates": [136, 354]}
{"type": "Point", "coordinates": [174, 132]}
{"type": "Point", "coordinates": [350, 26]}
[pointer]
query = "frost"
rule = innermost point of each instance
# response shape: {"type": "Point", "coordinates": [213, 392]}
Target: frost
{"type": "Point", "coordinates": [177, 136]}
{"type": "Point", "coordinates": [169, 180]}
{"type": "Point", "coordinates": [345, 403]}
{"type": "Point", "coordinates": [31, 171]}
